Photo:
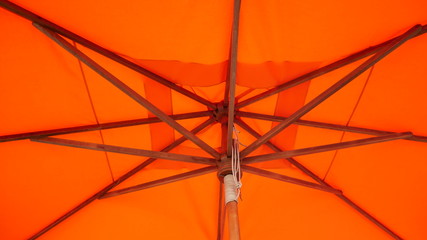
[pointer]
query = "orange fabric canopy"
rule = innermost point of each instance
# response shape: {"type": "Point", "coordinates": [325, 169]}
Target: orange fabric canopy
{"type": "Point", "coordinates": [43, 87]}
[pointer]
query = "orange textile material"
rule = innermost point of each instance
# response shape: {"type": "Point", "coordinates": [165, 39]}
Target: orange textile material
{"type": "Point", "coordinates": [44, 88]}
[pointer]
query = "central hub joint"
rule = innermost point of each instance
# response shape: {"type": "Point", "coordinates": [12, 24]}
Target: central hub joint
{"type": "Point", "coordinates": [224, 167]}
{"type": "Point", "coordinates": [221, 113]}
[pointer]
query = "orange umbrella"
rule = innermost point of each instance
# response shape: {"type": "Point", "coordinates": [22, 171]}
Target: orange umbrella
{"type": "Point", "coordinates": [123, 120]}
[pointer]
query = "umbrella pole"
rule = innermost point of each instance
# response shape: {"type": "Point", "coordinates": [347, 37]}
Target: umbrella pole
{"type": "Point", "coordinates": [230, 192]}
{"type": "Point", "coordinates": [233, 220]}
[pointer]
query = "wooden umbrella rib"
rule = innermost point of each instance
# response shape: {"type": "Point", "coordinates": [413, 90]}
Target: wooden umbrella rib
{"type": "Point", "coordinates": [229, 98]}
{"type": "Point", "coordinates": [322, 71]}
{"type": "Point", "coordinates": [227, 127]}
{"type": "Point", "coordinates": [251, 131]}
{"type": "Point", "coordinates": [309, 173]}
{"type": "Point", "coordinates": [126, 150]}
{"type": "Point", "coordinates": [159, 182]}
{"type": "Point", "coordinates": [126, 89]}
{"type": "Point", "coordinates": [103, 51]}
{"type": "Point", "coordinates": [121, 179]}
{"type": "Point", "coordinates": [283, 178]}
{"type": "Point", "coordinates": [330, 126]}
{"type": "Point", "coordinates": [333, 89]}
{"type": "Point", "coordinates": [325, 148]}
{"type": "Point", "coordinates": [101, 126]}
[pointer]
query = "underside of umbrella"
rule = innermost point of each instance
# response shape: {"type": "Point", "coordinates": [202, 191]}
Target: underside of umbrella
{"type": "Point", "coordinates": [137, 120]}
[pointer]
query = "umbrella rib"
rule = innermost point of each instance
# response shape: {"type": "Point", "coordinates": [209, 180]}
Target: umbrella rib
{"type": "Point", "coordinates": [321, 71]}
{"type": "Point", "coordinates": [284, 178]}
{"type": "Point", "coordinates": [333, 89]}
{"type": "Point", "coordinates": [325, 148]}
{"type": "Point", "coordinates": [330, 126]}
{"type": "Point", "coordinates": [309, 173]}
{"type": "Point", "coordinates": [230, 90]}
{"type": "Point", "coordinates": [101, 126]}
{"type": "Point", "coordinates": [121, 179]}
{"type": "Point", "coordinates": [125, 150]}
{"type": "Point", "coordinates": [159, 182]}
{"type": "Point", "coordinates": [126, 89]}
{"type": "Point", "coordinates": [227, 127]}
{"type": "Point", "coordinates": [103, 51]}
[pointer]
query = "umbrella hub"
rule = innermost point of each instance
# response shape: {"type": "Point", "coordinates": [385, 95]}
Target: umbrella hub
{"type": "Point", "coordinates": [221, 113]}
{"type": "Point", "coordinates": [224, 167]}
